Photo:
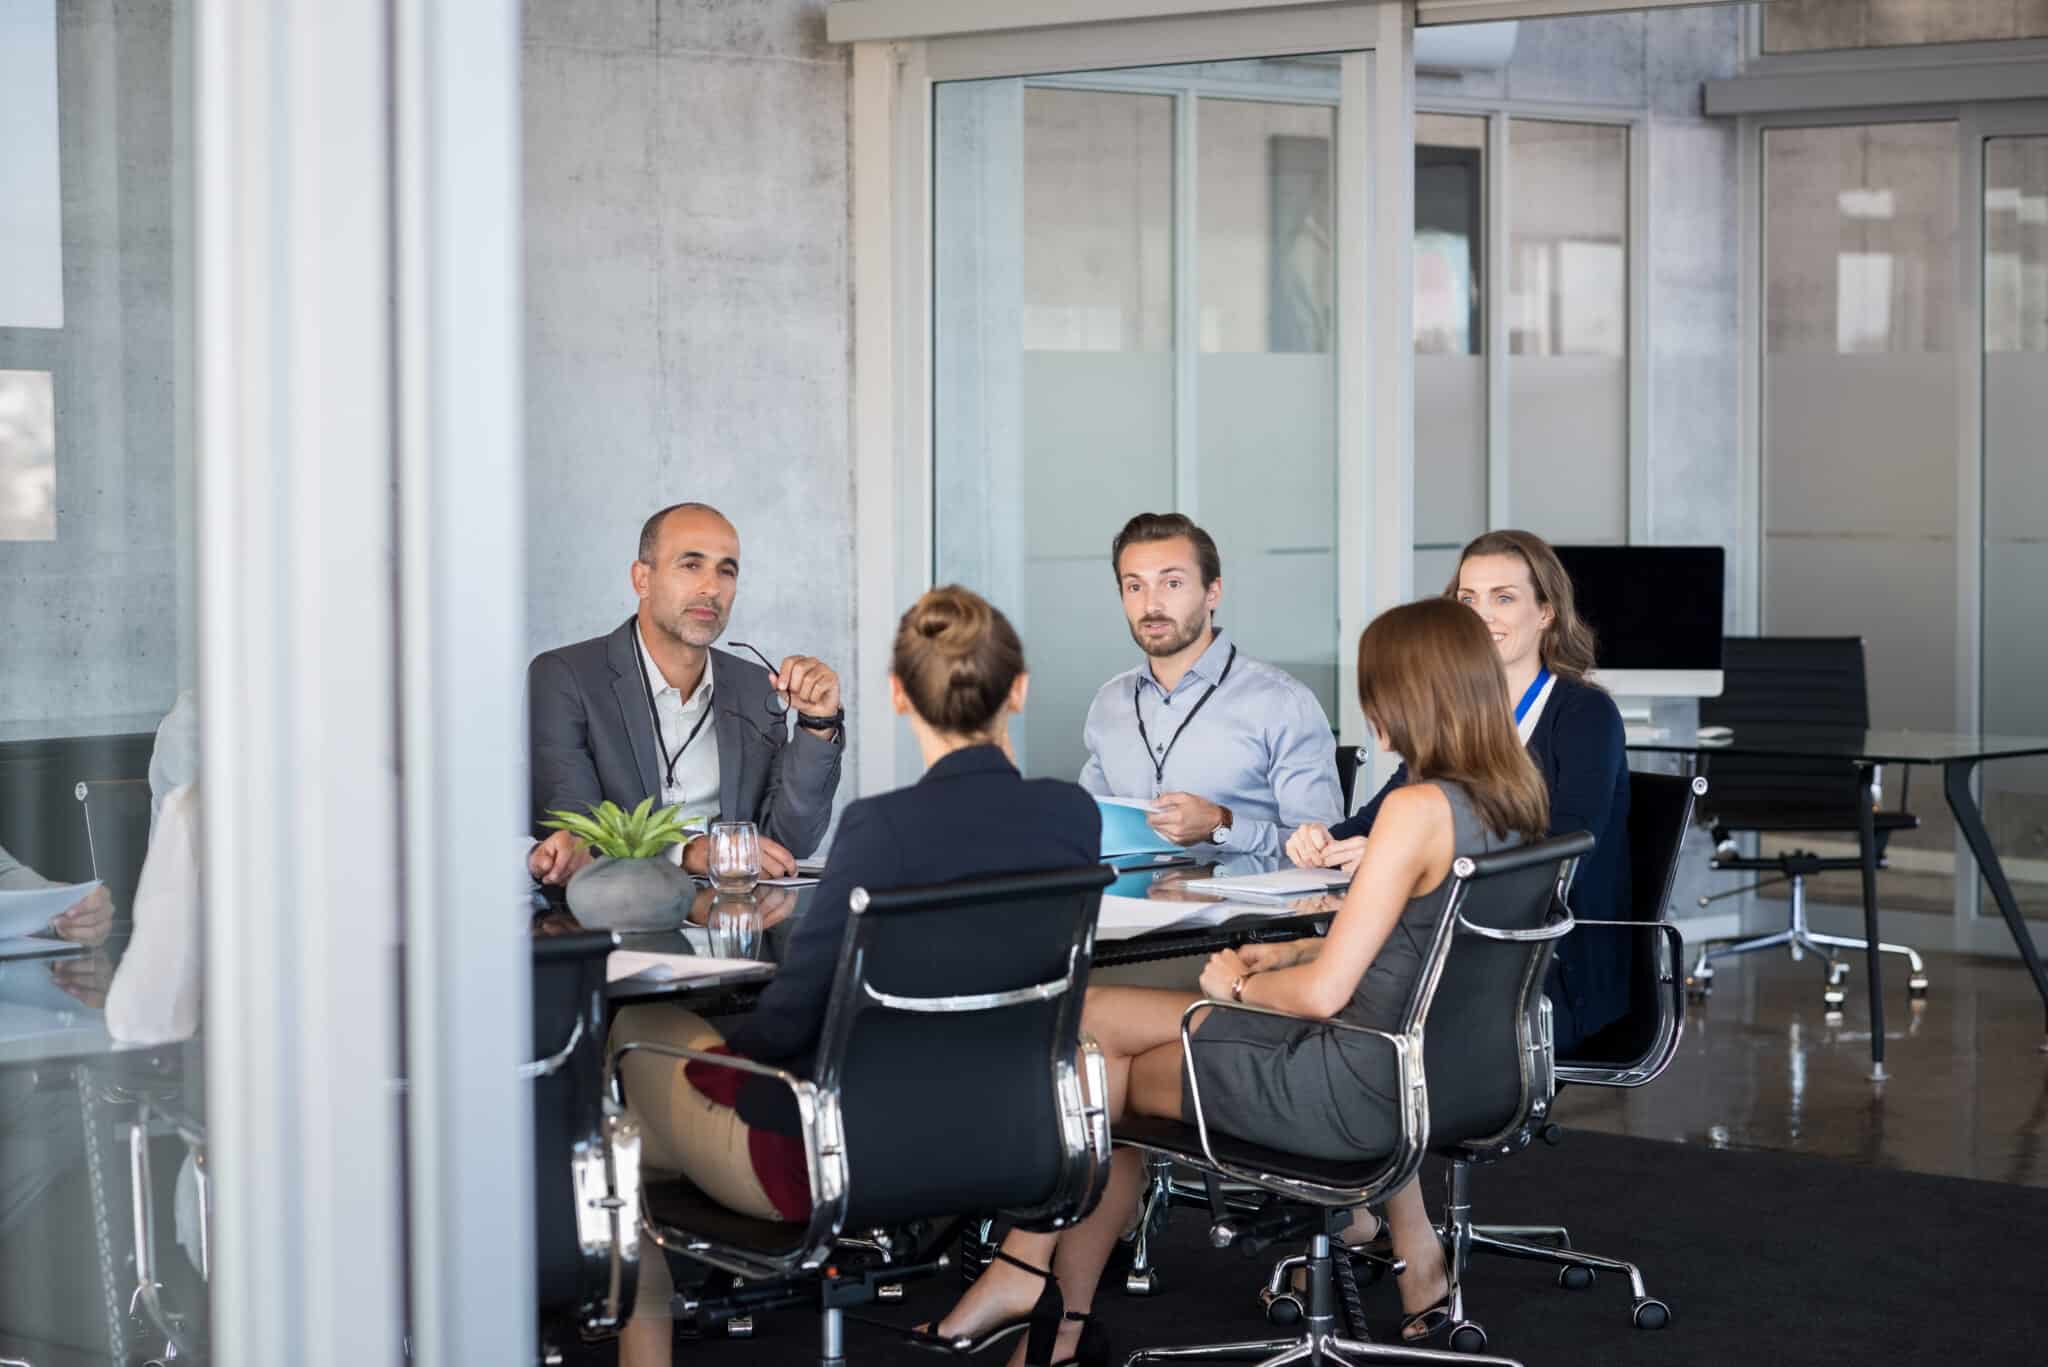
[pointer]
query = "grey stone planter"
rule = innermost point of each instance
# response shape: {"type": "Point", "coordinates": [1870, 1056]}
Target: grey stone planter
{"type": "Point", "coordinates": [630, 894]}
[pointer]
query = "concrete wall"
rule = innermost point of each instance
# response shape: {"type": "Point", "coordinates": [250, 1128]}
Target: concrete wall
{"type": "Point", "coordinates": [687, 309]}
{"type": "Point", "coordinates": [90, 623]}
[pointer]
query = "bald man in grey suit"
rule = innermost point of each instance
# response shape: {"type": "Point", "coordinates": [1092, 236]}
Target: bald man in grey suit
{"type": "Point", "coordinates": [651, 710]}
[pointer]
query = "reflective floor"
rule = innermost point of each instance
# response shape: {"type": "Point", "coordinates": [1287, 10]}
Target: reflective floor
{"type": "Point", "coordinates": [1760, 1067]}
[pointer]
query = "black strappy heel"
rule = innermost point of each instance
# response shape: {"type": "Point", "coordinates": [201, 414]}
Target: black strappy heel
{"type": "Point", "coordinates": [1042, 1322]}
{"type": "Point", "coordinates": [1091, 1351]}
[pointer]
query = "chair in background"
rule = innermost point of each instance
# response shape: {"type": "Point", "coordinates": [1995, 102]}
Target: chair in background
{"type": "Point", "coordinates": [1812, 687]}
{"type": "Point", "coordinates": [1480, 993]}
{"type": "Point", "coordinates": [1635, 1050]}
{"type": "Point", "coordinates": [953, 1005]}
{"type": "Point", "coordinates": [585, 1151]}
{"type": "Point", "coordinates": [1350, 759]}
{"type": "Point", "coordinates": [116, 816]}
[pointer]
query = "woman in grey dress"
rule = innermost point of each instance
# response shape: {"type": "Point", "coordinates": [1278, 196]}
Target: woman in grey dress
{"type": "Point", "coordinates": [1432, 687]}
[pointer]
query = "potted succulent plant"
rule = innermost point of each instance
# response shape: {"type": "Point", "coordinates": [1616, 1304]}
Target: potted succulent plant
{"type": "Point", "coordinates": [632, 882]}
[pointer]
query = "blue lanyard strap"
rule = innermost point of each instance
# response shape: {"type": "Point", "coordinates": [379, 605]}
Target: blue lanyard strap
{"type": "Point", "coordinates": [1534, 692]}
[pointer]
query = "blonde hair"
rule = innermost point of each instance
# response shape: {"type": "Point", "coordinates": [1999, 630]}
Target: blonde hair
{"type": "Point", "coordinates": [1429, 677]}
{"type": "Point", "coordinates": [957, 658]}
{"type": "Point", "coordinates": [1567, 646]}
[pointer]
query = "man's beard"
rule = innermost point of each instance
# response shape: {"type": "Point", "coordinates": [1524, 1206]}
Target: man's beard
{"type": "Point", "coordinates": [1183, 635]}
{"type": "Point", "coordinates": [689, 631]}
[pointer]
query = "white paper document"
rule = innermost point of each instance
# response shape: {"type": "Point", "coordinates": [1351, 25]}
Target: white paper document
{"type": "Point", "coordinates": [29, 911]}
{"type": "Point", "coordinates": [670, 968]}
{"type": "Point", "coordinates": [1281, 884]}
{"type": "Point", "coordinates": [1123, 917]}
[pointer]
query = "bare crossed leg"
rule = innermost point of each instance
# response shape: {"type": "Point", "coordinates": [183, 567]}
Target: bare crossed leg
{"type": "Point", "coordinates": [1139, 1031]}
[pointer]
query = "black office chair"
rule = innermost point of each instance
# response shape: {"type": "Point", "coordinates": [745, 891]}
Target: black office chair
{"type": "Point", "coordinates": [1635, 1050]}
{"type": "Point", "coordinates": [1811, 687]}
{"type": "Point", "coordinates": [586, 1151]}
{"type": "Point", "coordinates": [116, 816]}
{"type": "Point", "coordinates": [1506, 912]}
{"type": "Point", "coordinates": [1350, 758]}
{"type": "Point", "coordinates": [953, 1004]}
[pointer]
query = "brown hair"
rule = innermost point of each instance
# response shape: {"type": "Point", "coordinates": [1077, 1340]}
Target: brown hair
{"type": "Point", "coordinates": [1429, 677]}
{"type": "Point", "coordinates": [957, 657]}
{"type": "Point", "coordinates": [1568, 641]}
{"type": "Point", "coordinates": [1165, 527]}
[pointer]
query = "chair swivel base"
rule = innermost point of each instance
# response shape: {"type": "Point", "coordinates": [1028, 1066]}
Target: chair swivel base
{"type": "Point", "coordinates": [1321, 1340]}
{"type": "Point", "coordinates": [1801, 939]}
{"type": "Point", "coordinates": [1576, 1268]}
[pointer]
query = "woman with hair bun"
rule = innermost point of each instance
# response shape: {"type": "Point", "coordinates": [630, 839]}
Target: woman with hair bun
{"type": "Point", "coordinates": [957, 673]}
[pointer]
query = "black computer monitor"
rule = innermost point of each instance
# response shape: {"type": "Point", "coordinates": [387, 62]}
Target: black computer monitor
{"type": "Point", "coordinates": [1656, 613]}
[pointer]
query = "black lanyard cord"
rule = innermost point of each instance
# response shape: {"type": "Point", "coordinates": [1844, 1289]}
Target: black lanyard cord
{"type": "Point", "coordinates": [1159, 762]}
{"type": "Point", "coordinates": [647, 686]}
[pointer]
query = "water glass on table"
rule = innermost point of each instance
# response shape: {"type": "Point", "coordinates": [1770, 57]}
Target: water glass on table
{"type": "Point", "coordinates": [735, 861]}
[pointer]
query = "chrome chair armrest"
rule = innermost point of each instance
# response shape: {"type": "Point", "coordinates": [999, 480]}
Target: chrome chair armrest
{"type": "Point", "coordinates": [1401, 1164]}
{"type": "Point", "coordinates": [1081, 1091]}
{"type": "Point", "coordinates": [824, 1160]}
{"type": "Point", "coordinates": [1670, 1018]}
{"type": "Point", "coordinates": [1556, 927]}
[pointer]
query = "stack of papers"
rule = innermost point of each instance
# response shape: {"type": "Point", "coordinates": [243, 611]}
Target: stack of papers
{"type": "Point", "coordinates": [1124, 917]}
{"type": "Point", "coordinates": [677, 968]}
{"type": "Point", "coordinates": [1281, 885]}
{"type": "Point", "coordinates": [25, 916]}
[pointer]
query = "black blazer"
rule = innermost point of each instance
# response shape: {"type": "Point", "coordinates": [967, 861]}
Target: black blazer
{"type": "Point", "coordinates": [972, 814]}
{"type": "Point", "coordinates": [1578, 748]}
{"type": "Point", "coordinates": [591, 738]}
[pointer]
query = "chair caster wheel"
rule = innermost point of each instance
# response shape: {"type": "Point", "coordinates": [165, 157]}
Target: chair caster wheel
{"type": "Point", "coordinates": [889, 1293]}
{"type": "Point", "coordinates": [1468, 1338]}
{"type": "Point", "coordinates": [1282, 1310]}
{"type": "Point", "coordinates": [1144, 1283]}
{"type": "Point", "coordinates": [740, 1327]}
{"type": "Point", "coordinates": [1651, 1314]}
{"type": "Point", "coordinates": [1575, 1278]}
{"type": "Point", "coordinates": [1833, 999]}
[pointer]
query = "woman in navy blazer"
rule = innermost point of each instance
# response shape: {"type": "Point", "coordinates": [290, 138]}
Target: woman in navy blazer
{"type": "Point", "coordinates": [1516, 584]}
{"type": "Point", "coordinates": [957, 672]}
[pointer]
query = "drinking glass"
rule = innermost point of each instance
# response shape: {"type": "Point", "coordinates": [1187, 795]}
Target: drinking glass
{"type": "Point", "coordinates": [735, 856]}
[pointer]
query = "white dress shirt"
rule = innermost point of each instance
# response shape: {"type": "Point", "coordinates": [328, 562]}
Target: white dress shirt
{"type": "Point", "coordinates": [695, 785]}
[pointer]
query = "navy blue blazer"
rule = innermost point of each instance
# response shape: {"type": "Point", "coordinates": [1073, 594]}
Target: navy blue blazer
{"type": "Point", "coordinates": [971, 815]}
{"type": "Point", "coordinates": [1578, 748]}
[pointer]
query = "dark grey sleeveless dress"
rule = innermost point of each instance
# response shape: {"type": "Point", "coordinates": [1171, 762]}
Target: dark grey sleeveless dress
{"type": "Point", "coordinates": [1305, 1088]}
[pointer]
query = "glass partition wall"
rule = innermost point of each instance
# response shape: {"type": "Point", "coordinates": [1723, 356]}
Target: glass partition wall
{"type": "Point", "coordinates": [1135, 310]}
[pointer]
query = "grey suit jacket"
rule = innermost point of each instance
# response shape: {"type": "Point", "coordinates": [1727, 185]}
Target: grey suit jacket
{"type": "Point", "coordinates": [592, 738]}
{"type": "Point", "coordinates": [16, 876]}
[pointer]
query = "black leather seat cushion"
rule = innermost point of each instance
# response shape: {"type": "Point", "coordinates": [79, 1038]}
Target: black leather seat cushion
{"type": "Point", "coordinates": [1180, 1140]}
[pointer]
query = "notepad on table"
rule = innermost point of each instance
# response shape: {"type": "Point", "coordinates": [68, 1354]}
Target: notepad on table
{"type": "Point", "coordinates": [1124, 830]}
{"type": "Point", "coordinates": [29, 911]}
{"type": "Point", "coordinates": [1280, 885]}
{"type": "Point", "coordinates": [678, 968]}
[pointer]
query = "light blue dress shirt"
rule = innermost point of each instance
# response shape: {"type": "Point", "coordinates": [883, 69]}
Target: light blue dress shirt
{"type": "Point", "coordinates": [1261, 746]}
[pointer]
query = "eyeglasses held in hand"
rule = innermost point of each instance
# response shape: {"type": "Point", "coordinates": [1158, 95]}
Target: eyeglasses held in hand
{"type": "Point", "coordinates": [778, 705]}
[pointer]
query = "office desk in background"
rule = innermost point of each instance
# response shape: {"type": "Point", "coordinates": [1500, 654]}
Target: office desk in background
{"type": "Point", "coordinates": [1956, 755]}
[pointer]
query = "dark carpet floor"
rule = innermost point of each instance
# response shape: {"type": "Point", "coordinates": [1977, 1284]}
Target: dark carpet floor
{"type": "Point", "coordinates": [1763, 1258]}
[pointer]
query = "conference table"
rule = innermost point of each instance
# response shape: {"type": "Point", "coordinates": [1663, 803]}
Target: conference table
{"type": "Point", "coordinates": [750, 931]}
{"type": "Point", "coordinates": [1956, 755]}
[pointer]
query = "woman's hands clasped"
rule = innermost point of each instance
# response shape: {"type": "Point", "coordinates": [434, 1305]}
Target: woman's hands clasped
{"type": "Point", "coordinates": [1226, 966]}
{"type": "Point", "coordinates": [1310, 847]}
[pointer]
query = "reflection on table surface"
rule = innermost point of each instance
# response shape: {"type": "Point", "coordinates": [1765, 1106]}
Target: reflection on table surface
{"type": "Point", "coordinates": [1822, 742]}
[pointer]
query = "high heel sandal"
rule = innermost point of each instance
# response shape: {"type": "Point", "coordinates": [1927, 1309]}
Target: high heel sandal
{"type": "Point", "coordinates": [1091, 1351]}
{"type": "Point", "coordinates": [1042, 1321]}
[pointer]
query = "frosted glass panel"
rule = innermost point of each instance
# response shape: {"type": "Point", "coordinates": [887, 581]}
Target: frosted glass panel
{"type": "Point", "coordinates": [2015, 696]}
{"type": "Point", "coordinates": [1450, 450]}
{"type": "Point", "coordinates": [1266, 245]}
{"type": "Point", "coordinates": [1859, 462]}
{"type": "Point", "coordinates": [31, 208]}
{"type": "Point", "coordinates": [1568, 330]}
{"type": "Point", "coordinates": [1056, 358]}
{"type": "Point", "coordinates": [1568, 481]}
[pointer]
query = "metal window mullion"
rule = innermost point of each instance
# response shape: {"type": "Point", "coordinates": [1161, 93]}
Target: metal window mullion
{"type": "Point", "coordinates": [1636, 489]}
{"type": "Point", "coordinates": [1495, 222]}
{"type": "Point", "coordinates": [1971, 465]}
{"type": "Point", "coordinates": [1186, 308]}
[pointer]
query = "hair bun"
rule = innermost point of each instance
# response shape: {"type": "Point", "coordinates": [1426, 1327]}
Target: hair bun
{"type": "Point", "coordinates": [957, 657]}
{"type": "Point", "coordinates": [952, 620]}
